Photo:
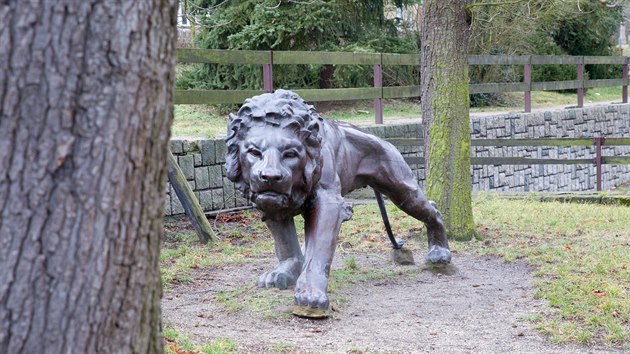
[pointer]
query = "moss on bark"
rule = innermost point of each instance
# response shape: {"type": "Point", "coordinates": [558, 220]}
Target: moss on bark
{"type": "Point", "coordinates": [445, 111]}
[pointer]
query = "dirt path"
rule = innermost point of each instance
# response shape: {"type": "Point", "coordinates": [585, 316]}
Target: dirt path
{"type": "Point", "coordinates": [479, 309]}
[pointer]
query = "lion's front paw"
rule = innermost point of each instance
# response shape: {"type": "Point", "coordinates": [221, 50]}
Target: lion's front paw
{"type": "Point", "coordinates": [311, 291]}
{"type": "Point", "coordinates": [284, 276]}
{"type": "Point", "coordinates": [439, 255]}
{"type": "Point", "coordinates": [275, 279]}
{"type": "Point", "coordinates": [311, 297]}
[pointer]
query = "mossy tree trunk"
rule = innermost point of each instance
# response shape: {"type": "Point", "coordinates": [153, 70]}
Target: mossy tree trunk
{"type": "Point", "coordinates": [445, 108]}
{"type": "Point", "coordinates": [86, 102]}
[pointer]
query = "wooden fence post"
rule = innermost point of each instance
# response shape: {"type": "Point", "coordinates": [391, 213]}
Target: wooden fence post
{"type": "Point", "coordinates": [268, 75]}
{"type": "Point", "coordinates": [599, 141]}
{"type": "Point", "coordinates": [624, 88]}
{"type": "Point", "coordinates": [580, 90]}
{"type": "Point", "coordinates": [189, 201]}
{"type": "Point", "coordinates": [378, 83]}
{"type": "Point", "coordinates": [527, 79]}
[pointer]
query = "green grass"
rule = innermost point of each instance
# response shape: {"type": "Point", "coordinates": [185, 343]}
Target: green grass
{"type": "Point", "coordinates": [284, 348]}
{"type": "Point", "coordinates": [219, 346]}
{"type": "Point", "coordinates": [549, 99]}
{"type": "Point", "coordinates": [176, 343]}
{"type": "Point", "coordinates": [198, 121]}
{"type": "Point", "coordinates": [581, 253]}
{"type": "Point", "coordinates": [267, 303]}
{"type": "Point", "coordinates": [182, 253]}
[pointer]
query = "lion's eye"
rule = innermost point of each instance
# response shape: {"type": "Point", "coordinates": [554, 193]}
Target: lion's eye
{"type": "Point", "coordinates": [254, 152]}
{"type": "Point", "coordinates": [290, 154]}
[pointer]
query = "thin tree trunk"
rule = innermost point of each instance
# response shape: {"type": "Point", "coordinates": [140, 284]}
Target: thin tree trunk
{"type": "Point", "coordinates": [85, 109]}
{"type": "Point", "coordinates": [445, 108]}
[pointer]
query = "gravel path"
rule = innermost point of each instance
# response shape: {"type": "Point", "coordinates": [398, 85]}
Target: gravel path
{"type": "Point", "coordinates": [478, 309]}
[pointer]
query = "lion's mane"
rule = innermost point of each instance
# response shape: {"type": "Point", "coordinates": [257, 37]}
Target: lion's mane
{"type": "Point", "coordinates": [284, 110]}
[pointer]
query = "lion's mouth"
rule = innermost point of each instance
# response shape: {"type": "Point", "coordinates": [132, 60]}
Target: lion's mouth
{"type": "Point", "coordinates": [270, 200]}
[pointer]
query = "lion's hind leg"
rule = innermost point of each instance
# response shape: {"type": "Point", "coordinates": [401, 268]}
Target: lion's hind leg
{"type": "Point", "coordinates": [387, 172]}
{"type": "Point", "coordinates": [289, 254]}
{"type": "Point", "coordinates": [413, 202]}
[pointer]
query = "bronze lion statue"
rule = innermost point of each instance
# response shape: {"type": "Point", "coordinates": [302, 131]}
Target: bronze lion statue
{"type": "Point", "coordinates": [288, 160]}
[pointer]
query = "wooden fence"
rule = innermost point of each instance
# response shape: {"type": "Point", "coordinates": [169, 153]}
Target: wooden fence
{"type": "Point", "coordinates": [598, 160]}
{"type": "Point", "coordinates": [267, 59]}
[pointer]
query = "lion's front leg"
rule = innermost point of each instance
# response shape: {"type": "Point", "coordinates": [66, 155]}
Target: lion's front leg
{"type": "Point", "coordinates": [322, 223]}
{"type": "Point", "coordinates": [289, 254]}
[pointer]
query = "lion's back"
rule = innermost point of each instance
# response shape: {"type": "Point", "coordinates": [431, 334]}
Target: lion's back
{"type": "Point", "coordinates": [352, 138]}
{"type": "Point", "coordinates": [361, 158]}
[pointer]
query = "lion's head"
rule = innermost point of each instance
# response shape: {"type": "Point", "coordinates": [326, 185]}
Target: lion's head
{"type": "Point", "coordinates": [273, 152]}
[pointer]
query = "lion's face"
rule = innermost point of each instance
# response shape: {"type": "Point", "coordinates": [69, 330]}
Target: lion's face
{"type": "Point", "coordinates": [274, 152]}
{"type": "Point", "coordinates": [273, 163]}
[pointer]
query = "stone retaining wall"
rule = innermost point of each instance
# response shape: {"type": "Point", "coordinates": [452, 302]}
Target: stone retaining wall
{"type": "Point", "coordinates": [604, 121]}
{"type": "Point", "coordinates": [202, 162]}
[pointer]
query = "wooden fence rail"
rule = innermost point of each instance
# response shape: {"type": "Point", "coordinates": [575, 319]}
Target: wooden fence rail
{"type": "Point", "coordinates": [267, 59]}
{"type": "Point", "coordinates": [597, 142]}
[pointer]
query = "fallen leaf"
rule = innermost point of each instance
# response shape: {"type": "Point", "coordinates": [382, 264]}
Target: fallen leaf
{"type": "Point", "coordinates": [568, 247]}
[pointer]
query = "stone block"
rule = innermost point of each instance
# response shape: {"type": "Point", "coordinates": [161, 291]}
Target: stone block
{"type": "Point", "coordinates": [379, 131]}
{"type": "Point", "coordinates": [197, 160]}
{"type": "Point", "coordinates": [202, 178]}
{"type": "Point", "coordinates": [187, 166]}
{"type": "Point", "coordinates": [387, 132]}
{"type": "Point", "coordinates": [219, 151]}
{"type": "Point", "coordinates": [176, 205]}
{"type": "Point", "coordinates": [176, 146]}
{"type": "Point", "coordinates": [205, 200]}
{"type": "Point", "coordinates": [535, 119]}
{"type": "Point", "coordinates": [217, 199]}
{"type": "Point", "coordinates": [167, 205]}
{"type": "Point", "coordinates": [402, 256]}
{"type": "Point", "coordinates": [207, 152]}
{"type": "Point", "coordinates": [215, 176]}
{"type": "Point", "coordinates": [229, 194]}
{"type": "Point", "coordinates": [476, 127]}
{"type": "Point", "coordinates": [240, 200]}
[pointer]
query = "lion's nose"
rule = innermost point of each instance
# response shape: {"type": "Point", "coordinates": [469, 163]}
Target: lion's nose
{"type": "Point", "coordinates": [271, 175]}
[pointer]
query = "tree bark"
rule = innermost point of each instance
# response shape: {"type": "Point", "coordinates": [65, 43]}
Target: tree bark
{"type": "Point", "coordinates": [85, 110]}
{"type": "Point", "coordinates": [445, 108]}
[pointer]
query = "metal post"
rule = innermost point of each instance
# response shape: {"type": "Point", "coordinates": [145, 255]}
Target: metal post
{"type": "Point", "coordinates": [580, 91]}
{"type": "Point", "coordinates": [268, 75]}
{"type": "Point", "coordinates": [378, 102]}
{"type": "Point", "coordinates": [599, 141]}
{"type": "Point", "coordinates": [527, 79]}
{"type": "Point", "coordinates": [624, 88]}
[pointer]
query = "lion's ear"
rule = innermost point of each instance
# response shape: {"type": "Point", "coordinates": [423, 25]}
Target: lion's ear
{"type": "Point", "coordinates": [313, 126]}
{"type": "Point", "coordinates": [310, 133]}
{"type": "Point", "coordinates": [234, 125]}
{"type": "Point", "coordinates": [233, 121]}
{"type": "Point", "coordinates": [232, 163]}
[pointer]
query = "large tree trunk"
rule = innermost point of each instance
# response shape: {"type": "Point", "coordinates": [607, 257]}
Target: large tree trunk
{"type": "Point", "coordinates": [445, 108]}
{"type": "Point", "coordinates": [85, 110]}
